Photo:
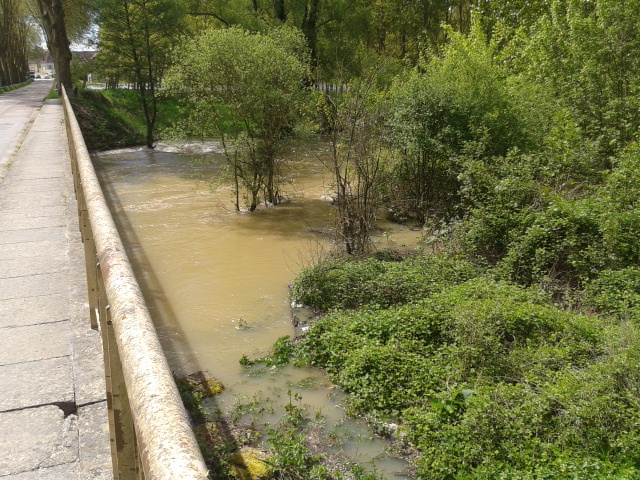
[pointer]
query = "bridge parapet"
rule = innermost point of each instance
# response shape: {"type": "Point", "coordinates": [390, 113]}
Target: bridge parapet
{"type": "Point", "coordinates": [151, 436]}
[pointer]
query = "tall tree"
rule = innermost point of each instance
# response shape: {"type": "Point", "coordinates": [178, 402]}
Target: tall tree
{"type": "Point", "coordinates": [52, 18]}
{"type": "Point", "coordinates": [141, 33]}
{"type": "Point", "coordinates": [13, 42]}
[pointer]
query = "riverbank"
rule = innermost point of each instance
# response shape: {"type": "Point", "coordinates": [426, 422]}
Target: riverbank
{"type": "Point", "coordinates": [486, 378]}
{"type": "Point", "coordinates": [112, 119]}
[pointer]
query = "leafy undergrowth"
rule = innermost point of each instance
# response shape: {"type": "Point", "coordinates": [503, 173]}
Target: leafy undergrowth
{"type": "Point", "coordinates": [340, 283]}
{"type": "Point", "coordinates": [488, 379]}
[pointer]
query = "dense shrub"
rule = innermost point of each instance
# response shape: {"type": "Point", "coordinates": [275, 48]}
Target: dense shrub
{"type": "Point", "coordinates": [621, 210]}
{"type": "Point", "coordinates": [563, 244]}
{"type": "Point", "coordinates": [491, 380]}
{"type": "Point", "coordinates": [615, 292]}
{"type": "Point", "coordinates": [538, 237]}
{"type": "Point", "coordinates": [502, 200]}
{"type": "Point", "coordinates": [453, 107]}
{"type": "Point", "coordinates": [345, 283]}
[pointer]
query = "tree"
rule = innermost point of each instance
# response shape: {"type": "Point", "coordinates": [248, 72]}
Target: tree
{"type": "Point", "coordinates": [504, 18]}
{"type": "Point", "coordinates": [52, 18]}
{"type": "Point", "coordinates": [455, 107]}
{"type": "Point", "coordinates": [358, 158]}
{"type": "Point", "coordinates": [13, 42]}
{"type": "Point", "coordinates": [140, 34]}
{"type": "Point", "coordinates": [588, 55]}
{"type": "Point", "coordinates": [254, 80]}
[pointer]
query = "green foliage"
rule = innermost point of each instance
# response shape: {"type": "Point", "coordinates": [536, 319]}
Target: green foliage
{"type": "Point", "coordinates": [491, 381]}
{"type": "Point", "coordinates": [280, 355]}
{"type": "Point", "coordinates": [112, 118]}
{"type": "Point", "coordinates": [588, 54]}
{"type": "Point", "coordinates": [621, 210]}
{"type": "Point", "coordinates": [257, 76]}
{"type": "Point", "coordinates": [9, 88]}
{"type": "Point", "coordinates": [255, 79]}
{"type": "Point", "coordinates": [563, 244]}
{"type": "Point", "coordinates": [503, 199]}
{"type": "Point", "coordinates": [519, 431]}
{"type": "Point", "coordinates": [536, 236]}
{"type": "Point", "coordinates": [457, 107]}
{"type": "Point", "coordinates": [103, 126]}
{"type": "Point", "coordinates": [293, 459]}
{"type": "Point", "coordinates": [135, 40]}
{"type": "Point", "coordinates": [615, 292]}
{"type": "Point", "coordinates": [344, 283]}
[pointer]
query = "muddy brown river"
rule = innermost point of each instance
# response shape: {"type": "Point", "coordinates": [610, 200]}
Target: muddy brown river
{"type": "Point", "coordinates": [216, 281]}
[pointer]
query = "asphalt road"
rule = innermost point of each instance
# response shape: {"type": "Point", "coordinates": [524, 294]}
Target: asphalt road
{"type": "Point", "coordinates": [18, 110]}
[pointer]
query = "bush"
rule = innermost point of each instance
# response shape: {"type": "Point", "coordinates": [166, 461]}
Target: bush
{"type": "Point", "coordinates": [621, 210]}
{"type": "Point", "coordinates": [346, 283]}
{"type": "Point", "coordinates": [563, 245]}
{"type": "Point", "coordinates": [615, 292]}
{"type": "Point", "coordinates": [479, 331]}
{"type": "Point", "coordinates": [491, 381]}
{"type": "Point", "coordinates": [452, 108]}
{"type": "Point", "coordinates": [503, 198]}
{"type": "Point", "coordinates": [519, 431]}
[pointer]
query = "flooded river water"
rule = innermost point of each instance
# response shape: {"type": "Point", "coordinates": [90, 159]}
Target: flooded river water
{"type": "Point", "coordinates": [216, 281]}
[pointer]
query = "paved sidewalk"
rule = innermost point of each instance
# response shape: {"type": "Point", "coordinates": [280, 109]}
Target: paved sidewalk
{"type": "Point", "coordinates": [53, 416]}
{"type": "Point", "coordinates": [18, 109]}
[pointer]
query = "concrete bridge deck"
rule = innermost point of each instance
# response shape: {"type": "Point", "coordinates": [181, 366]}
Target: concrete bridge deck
{"type": "Point", "coordinates": [53, 412]}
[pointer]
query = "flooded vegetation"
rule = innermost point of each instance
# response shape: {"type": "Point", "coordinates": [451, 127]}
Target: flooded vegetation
{"type": "Point", "coordinates": [508, 135]}
{"type": "Point", "coordinates": [217, 282]}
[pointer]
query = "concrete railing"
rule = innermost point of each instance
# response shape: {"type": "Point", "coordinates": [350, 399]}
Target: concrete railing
{"type": "Point", "coordinates": [151, 436]}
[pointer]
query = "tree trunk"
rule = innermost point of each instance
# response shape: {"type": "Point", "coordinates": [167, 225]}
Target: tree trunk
{"type": "Point", "coordinates": [309, 27]}
{"type": "Point", "coordinates": [279, 10]}
{"type": "Point", "coordinates": [52, 16]}
{"type": "Point", "coordinates": [13, 44]}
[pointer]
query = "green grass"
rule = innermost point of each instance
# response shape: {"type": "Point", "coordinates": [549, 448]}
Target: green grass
{"type": "Point", "coordinates": [52, 95]}
{"type": "Point", "coordinates": [104, 126]}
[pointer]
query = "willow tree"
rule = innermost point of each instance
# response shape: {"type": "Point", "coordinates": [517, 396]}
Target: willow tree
{"type": "Point", "coordinates": [256, 82]}
{"type": "Point", "coordinates": [139, 34]}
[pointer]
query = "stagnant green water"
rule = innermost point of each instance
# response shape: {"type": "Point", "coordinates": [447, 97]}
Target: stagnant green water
{"type": "Point", "coordinates": [216, 281]}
